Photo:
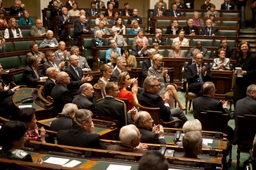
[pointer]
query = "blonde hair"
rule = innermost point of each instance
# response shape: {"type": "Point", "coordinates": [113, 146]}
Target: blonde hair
{"type": "Point", "coordinates": [157, 57]}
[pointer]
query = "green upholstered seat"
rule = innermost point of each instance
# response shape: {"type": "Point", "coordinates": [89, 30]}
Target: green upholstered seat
{"type": "Point", "coordinates": [230, 14]}
{"type": "Point", "coordinates": [231, 43]}
{"type": "Point", "coordinates": [182, 22]}
{"type": "Point", "coordinates": [93, 21]}
{"type": "Point", "coordinates": [164, 30]}
{"type": "Point", "coordinates": [23, 59]}
{"type": "Point", "coordinates": [125, 20]}
{"type": "Point", "coordinates": [228, 33]}
{"type": "Point", "coordinates": [205, 42]}
{"type": "Point", "coordinates": [18, 78]}
{"type": "Point", "coordinates": [87, 48]}
{"type": "Point", "coordinates": [22, 45]}
{"type": "Point", "coordinates": [102, 56]}
{"type": "Point", "coordinates": [130, 41]}
{"type": "Point", "coordinates": [163, 22]}
{"type": "Point", "coordinates": [71, 36]}
{"type": "Point", "coordinates": [39, 42]}
{"type": "Point", "coordinates": [10, 62]}
{"type": "Point", "coordinates": [209, 54]}
{"type": "Point", "coordinates": [9, 46]}
{"type": "Point", "coordinates": [185, 52]}
{"type": "Point", "coordinates": [25, 32]}
{"type": "Point", "coordinates": [150, 41]}
{"type": "Point", "coordinates": [162, 52]}
{"type": "Point", "coordinates": [230, 23]}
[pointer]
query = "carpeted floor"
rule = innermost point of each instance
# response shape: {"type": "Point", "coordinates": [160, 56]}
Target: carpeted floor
{"type": "Point", "coordinates": [243, 156]}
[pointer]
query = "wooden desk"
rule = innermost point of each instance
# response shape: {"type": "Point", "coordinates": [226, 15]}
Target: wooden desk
{"type": "Point", "coordinates": [43, 110]}
{"type": "Point", "coordinates": [106, 129]}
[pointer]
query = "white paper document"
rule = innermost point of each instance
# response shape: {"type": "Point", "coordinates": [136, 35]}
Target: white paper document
{"type": "Point", "coordinates": [72, 163]}
{"type": "Point", "coordinates": [25, 106]}
{"type": "Point", "coordinates": [56, 161]}
{"type": "Point", "coordinates": [206, 141]}
{"type": "Point", "coordinates": [118, 167]}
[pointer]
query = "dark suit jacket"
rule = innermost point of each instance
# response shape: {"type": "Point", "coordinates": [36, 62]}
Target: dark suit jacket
{"type": "Point", "coordinates": [171, 13]}
{"type": "Point", "coordinates": [154, 100]}
{"type": "Point", "coordinates": [149, 137]}
{"type": "Point", "coordinates": [169, 30]}
{"type": "Point", "coordinates": [89, 12]}
{"type": "Point", "coordinates": [29, 76]}
{"type": "Point", "coordinates": [62, 24]}
{"type": "Point", "coordinates": [83, 102]}
{"type": "Point", "coordinates": [145, 66]}
{"type": "Point", "coordinates": [204, 103]}
{"type": "Point", "coordinates": [189, 30]}
{"type": "Point", "coordinates": [61, 96]}
{"type": "Point", "coordinates": [130, 19]}
{"type": "Point", "coordinates": [155, 12]}
{"type": "Point", "coordinates": [124, 14]}
{"type": "Point", "coordinates": [5, 94]}
{"type": "Point", "coordinates": [78, 30]}
{"type": "Point", "coordinates": [180, 6]}
{"type": "Point", "coordinates": [114, 76]}
{"type": "Point", "coordinates": [161, 42]}
{"type": "Point", "coordinates": [229, 53]}
{"type": "Point", "coordinates": [223, 6]}
{"type": "Point", "coordinates": [135, 51]}
{"type": "Point", "coordinates": [78, 137]}
{"type": "Point", "coordinates": [114, 108]}
{"type": "Point", "coordinates": [75, 80]}
{"type": "Point", "coordinates": [192, 76]}
{"type": "Point", "coordinates": [48, 86]}
{"type": "Point", "coordinates": [213, 31]}
{"type": "Point", "coordinates": [62, 123]}
{"type": "Point", "coordinates": [46, 65]}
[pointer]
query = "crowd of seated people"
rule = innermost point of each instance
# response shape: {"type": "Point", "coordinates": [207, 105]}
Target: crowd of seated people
{"type": "Point", "coordinates": [74, 95]}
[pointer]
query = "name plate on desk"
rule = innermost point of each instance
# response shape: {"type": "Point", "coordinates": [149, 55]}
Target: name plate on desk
{"type": "Point", "coordinates": [25, 106]}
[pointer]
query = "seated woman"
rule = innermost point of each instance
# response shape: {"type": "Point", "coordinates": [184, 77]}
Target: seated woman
{"type": "Point", "coordinates": [130, 59]}
{"type": "Point", "coordinates": [98, 41]}
{"type": "Point", "coordinates": [120, 28]}
{"type": "Point", "coordinates": [192, 144]}
{"type": "Point", "coordinates": [3, 22]}
{"type": "Point", "coordinates": [221, 63]}
{"type": "Point", "coordinates": [106, 72]}
{"type": "Point", "coordinates": [12, 31]}
{"type": "Point", "coordinates": [135, 27]}
{"type": "Point", "coordinates": [13, 137]}
{"type": "Point", "coordinates": [140, 35]}
{"type": "Point", "coordinates": [176, 52]}
{"type": "Point", "coordinates": [214, 22]}
{"type": "Point", "coordinates": [28, 116]}
{"type": "Point", "coordinates": [49, 41]}
{"type": "Point", "coordinates": [26, 20]}
{"type": "Point", "coordinates": [164, 79]}
{"type": "Point", "coordinates": [113, 20]}
{"type": "Point", "coordinates": [112, 59]}
{"type": "Point", "coordinates": [101, 17]}
{"type": "Point", "coordinates": [62, 54]}
{"type": "Point", "coordinates": [213, 11]}
{"type": "Point", "coordinates": [181, 39]}
{"type": "Point", "coordinates": [196, 21]}
{"type": "Point", "coordinates": [109, 12]}
{"type": "Point", "coordinates": [124, 82]}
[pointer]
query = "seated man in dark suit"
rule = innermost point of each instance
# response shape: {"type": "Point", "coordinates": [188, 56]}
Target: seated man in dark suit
{"type": "Point", "coordinates": [50, 56]}
{"type": "Point", "coordinates": [160, 10]}
{"type": "Point", "coordinates": [134, 17]}
{"type": "Point", "coordinates": [64, 120]}
{"type": "Point", "coordinates": [120, 67]}
{"type": "Point", "coordinates": [86, 99]}
{"type": "Point", "coordinates": [197, 74]}
{"type": "Point", "coordinates": [63, 21]}
{"type": "Point", "coordinates": [224, 45]}
{"type": "Point", "coordinates": [83, 64]}
{"type": "Point", "coordinates": [227, 5]}
{"type": "Point", "coordinates": [80, 28]}
{"type": "Point", "coordinates": [149, 133]}
{"type": "Point", "coordinates": [150, 98]}
{"type": "Point", "coordinates": [76, 75]}
{"type": "Point", "coordinates": [174, 12]}
{"type": "Point", "coordinates": [92, 11]}
{"type": "Point", "coordinates": [60, 93]}
{"type": "Point", "coordinates": [139, 50]}
{"type": "Point", "coordinates": [190, 29]}
{"type": "Point", "coordinates": [245, 105]}
{"type": "Point", "coordinates": [148, 62]}
{"type": "Point", "coordinates": [192, 144]}
{"type": "Point", "coordinates": [51, 73]}
{"type": "Point", "coordinates": [174, 28]}
{"type": "Point", "coordinates": [126, 11]}
{"type": "Point", "coordinates": [82, 133]}
{"type": "Point", "coordinates": [179, 4]}
{"type": "Point", "coordinates": [112, 107]}
{"type": "Point", "coordinates": [209, 30]}
{"type": "Point", "coordinates": [200, 48]}
{"type": "Point", "coordinates": [153, 160]}
{"type": "Point", "coordinates": [31, 72]}
{"type": "Point", "coordinates": [158, 38]}
{"type": "Point", "coordinates": [129, 136]}
{"type": "Point", "coordinates": [209, 103]}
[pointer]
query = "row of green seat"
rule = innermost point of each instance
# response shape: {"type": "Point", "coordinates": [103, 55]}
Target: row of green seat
{"type": "Point", "coordinates": [20, 45]}
{"type": "Point", "coordinates": [25, 32]}
{"type": "Point", "coordinates": [182, 22]}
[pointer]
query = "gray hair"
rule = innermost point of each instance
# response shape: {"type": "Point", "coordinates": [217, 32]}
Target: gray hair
{"type": "Point", "coordinates": [49, 71]}
{"type": "Point", "coordinates": [60, 76]}
{"type": "Point", "coordinates": [192, 125]}
{"type": "Point", "coordinates": [49, 32]}
{"type": "Point", "coordinates": [192, 141]}
{"type": "Point", "coordinates": [82, 115]}
{"type": "Point", "coordinates": [127, 134]}
{"type": "Point", "coordinates": [190, 20]}
{"type": "Point", "coordinates": [251, 88]}
{"type": "Point", "coordinates": [73, 48]}
{"type": "Point", "coordinates": [149, 82]}
{"type": "Point", "coordinates": [120, 59]}
{"type": "Point", "coordinates": [151, 51]}
{"type": "Point", "coordinates": [68, 108]}
{"type": "Point", "coordinates": [97, 32]}
{"type": "Point", "coordinates": [84, 87]}
{"type": "Point", "coordinates": [139, 118]}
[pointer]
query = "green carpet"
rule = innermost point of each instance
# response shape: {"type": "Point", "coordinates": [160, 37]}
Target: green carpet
{"type": "Point", "coordinates": [231, 123]}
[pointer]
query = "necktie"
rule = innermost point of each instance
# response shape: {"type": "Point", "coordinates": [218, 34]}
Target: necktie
{"type": "Point", "coordinates": [200, 75]}
{"type": "Point", "coordinates": [76, 72]}
{"type": "Point", "coordinates": [227, 6]}
{"type": "Point", "coordinates": [36, 73]}
{"type": "Point", "coordinates": [39, 31]}
{"type": "Point", "coordinates": [209, 31]}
